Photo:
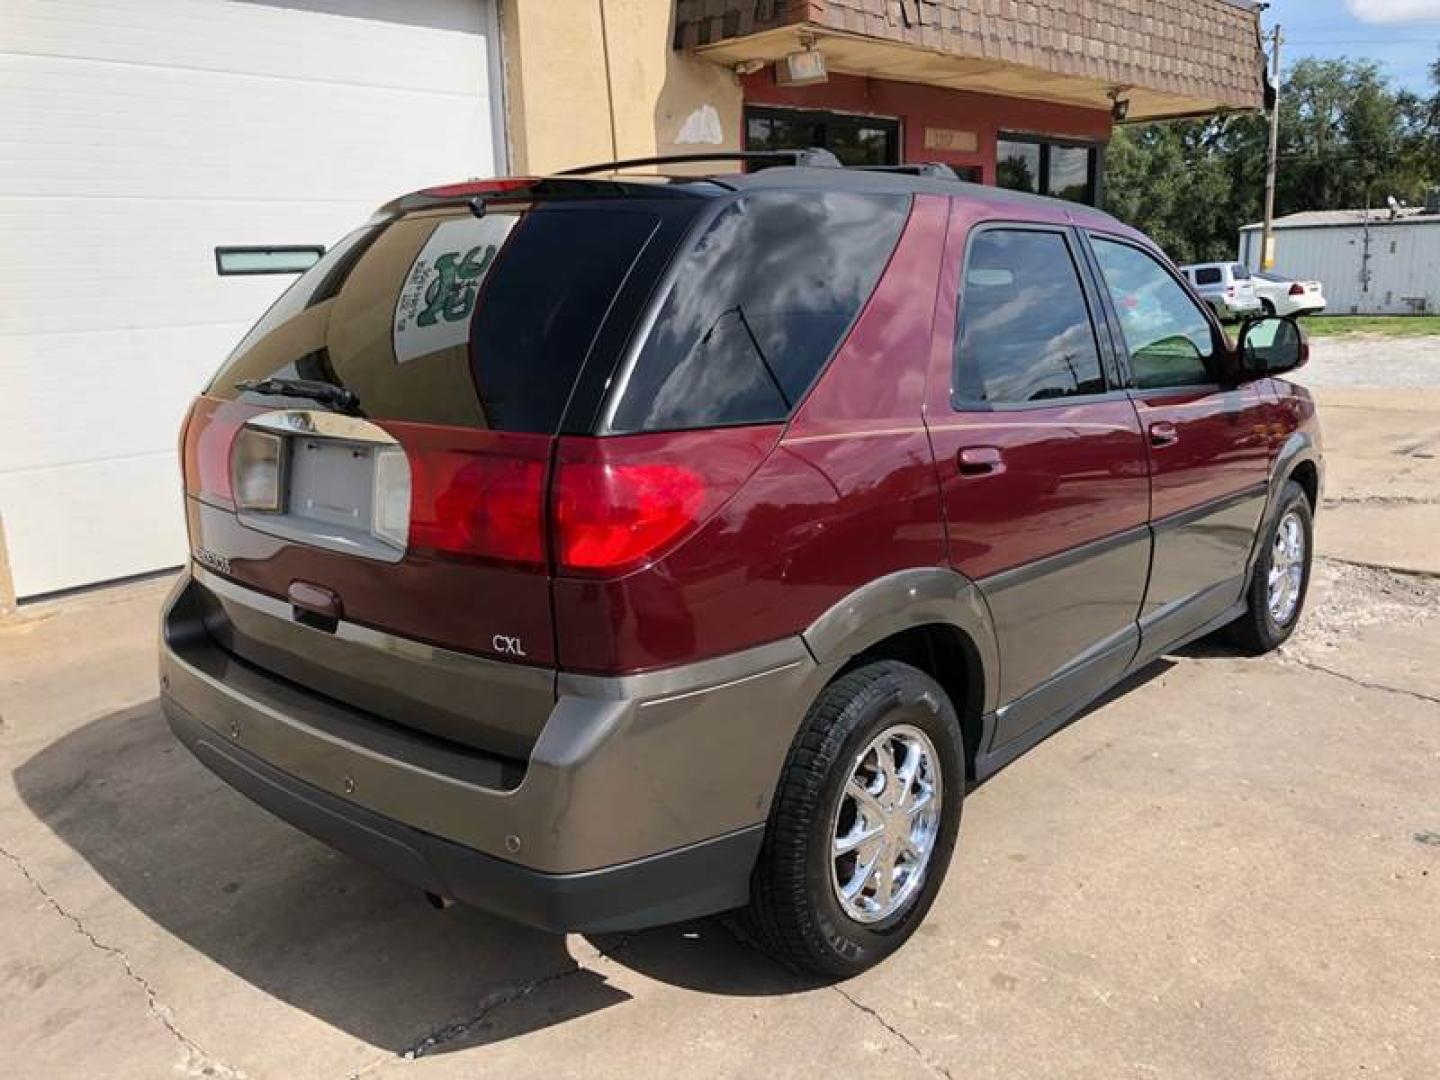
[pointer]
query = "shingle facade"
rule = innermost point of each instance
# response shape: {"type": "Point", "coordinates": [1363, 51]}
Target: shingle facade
{"type": "Point", "coordinates": [1203, 49]}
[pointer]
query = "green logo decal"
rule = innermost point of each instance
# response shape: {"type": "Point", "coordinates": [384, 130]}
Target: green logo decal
{"type": "Point", "coordinates": [451, 295]}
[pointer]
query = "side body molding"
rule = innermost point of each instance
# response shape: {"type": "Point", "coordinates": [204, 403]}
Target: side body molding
{"type": "Point", "coordinates": [901, 601]}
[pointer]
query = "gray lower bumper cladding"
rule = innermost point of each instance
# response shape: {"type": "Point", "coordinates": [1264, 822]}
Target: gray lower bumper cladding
{"type": "Point", "coordinates": [643, 801]}
{"type": "Point", "coordinates": [697, 880]}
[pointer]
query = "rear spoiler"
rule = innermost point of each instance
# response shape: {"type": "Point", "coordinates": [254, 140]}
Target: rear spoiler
{"type": "Point", "coordinates": [479, 194]}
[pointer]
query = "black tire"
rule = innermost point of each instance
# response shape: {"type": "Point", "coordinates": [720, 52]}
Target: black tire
{"type": "Point", "coordinates": [794, 912]}
{"type": "Point", "coordinates": [1267, 307]}
{"type": "Point", "coordinates": [1258, 631]}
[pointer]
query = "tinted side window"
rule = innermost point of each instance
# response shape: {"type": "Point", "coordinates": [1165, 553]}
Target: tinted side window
{"type": "Point", "coordinates": [542, 306]}
{"type": "Point", "coordinates": [1025, 332]}
{"type": "Point", "coordinates": [1168, 337]}
{"type": "Point", "coordinates": [757, 307]}
{"type": "Point", "coordinates": [1210, 275]}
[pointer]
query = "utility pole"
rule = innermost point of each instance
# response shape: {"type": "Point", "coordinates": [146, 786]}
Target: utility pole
{"type": "Point", "coordinates": [1267, 241]}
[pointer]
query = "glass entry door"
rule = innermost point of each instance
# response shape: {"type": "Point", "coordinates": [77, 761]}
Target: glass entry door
{"type": "Point", "coordinates": [855, 140]}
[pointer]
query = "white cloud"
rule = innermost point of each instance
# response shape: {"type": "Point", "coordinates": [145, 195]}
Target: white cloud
{"type": "Point", "coordinates": [1393, 11]}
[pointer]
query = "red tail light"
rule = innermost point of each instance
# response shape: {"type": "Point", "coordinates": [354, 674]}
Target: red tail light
{"type": "Point", "coordinates": [621, 501]}
{"type": "Point", "coordinates": [1297, 289]}
{"type": "Point", "coordinates": [612, 515]}
{"type": "Point", "coordinates": [210, 431]}
{"type": "Point", "coordinates": [476, 493]}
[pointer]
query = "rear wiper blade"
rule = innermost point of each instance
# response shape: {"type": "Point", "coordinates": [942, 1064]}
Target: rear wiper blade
{"type": "Point", "coordinates": [326, 393]}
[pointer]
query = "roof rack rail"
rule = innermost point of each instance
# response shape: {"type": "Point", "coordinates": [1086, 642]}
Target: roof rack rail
{"type": "Point", "coordinates": [814, 158]}
{"type": "Point", "coordinates": [936, 169]}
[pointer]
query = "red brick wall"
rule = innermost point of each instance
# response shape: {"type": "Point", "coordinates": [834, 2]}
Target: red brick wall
{"type": "Point", "coordinates": [918, 107]}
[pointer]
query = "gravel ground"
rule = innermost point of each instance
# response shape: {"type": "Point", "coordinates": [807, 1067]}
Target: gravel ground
{"type": "Point", "coordinates": [1373, 360]}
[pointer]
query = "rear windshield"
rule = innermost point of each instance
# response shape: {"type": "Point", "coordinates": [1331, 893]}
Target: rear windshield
{"type": "Point", "coordinates": [756, 307]}
{"type": "Point", "coordinates": [452, 318]}
{"type": "Point", "coordinates": [1239, 273]}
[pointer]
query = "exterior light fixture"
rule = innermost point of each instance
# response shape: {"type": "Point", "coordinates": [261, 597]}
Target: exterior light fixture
{"type": "Point", "coordinates": [804, 68]}
{"type": "Point", "coordinates": [1119, 106]}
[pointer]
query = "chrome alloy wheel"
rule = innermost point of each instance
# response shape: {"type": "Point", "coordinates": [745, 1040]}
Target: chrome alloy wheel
{"type": "Point", "coordinates": [886, 824]}
{"type": "Point", "coordinates": [1287, 569]}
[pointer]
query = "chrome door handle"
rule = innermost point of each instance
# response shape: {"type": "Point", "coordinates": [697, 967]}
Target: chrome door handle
{"type": "Point", "coordinates": [974, 461]}
{"type": "Point", "coordinates": [1163, 434]}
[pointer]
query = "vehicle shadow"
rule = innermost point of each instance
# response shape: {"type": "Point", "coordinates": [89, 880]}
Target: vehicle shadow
{"type": "Point", "coordinates": [321, 932]}
{"type": "Point", "coordinates": [1212, 648]}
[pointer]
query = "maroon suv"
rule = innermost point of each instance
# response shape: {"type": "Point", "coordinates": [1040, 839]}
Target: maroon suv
{"type": "Point", "coordinates": [607, 552]}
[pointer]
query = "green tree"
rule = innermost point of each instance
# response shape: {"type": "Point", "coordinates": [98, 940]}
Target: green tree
{"type": "Point", "coordinates": [1347, 140]}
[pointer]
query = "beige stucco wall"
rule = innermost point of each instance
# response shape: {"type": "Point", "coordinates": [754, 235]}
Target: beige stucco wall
{"type": "Point", "coordinates": [596, 80]}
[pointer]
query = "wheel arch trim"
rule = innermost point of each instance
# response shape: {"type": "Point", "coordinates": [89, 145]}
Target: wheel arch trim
{"type": "Point", "coordinates": [1299, 449]}
{"type": "Point", "coordinates": [889, 605]}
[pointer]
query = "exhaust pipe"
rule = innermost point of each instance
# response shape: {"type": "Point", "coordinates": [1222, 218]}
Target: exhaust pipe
{"type": "Point", "coordinates": [438, 902]}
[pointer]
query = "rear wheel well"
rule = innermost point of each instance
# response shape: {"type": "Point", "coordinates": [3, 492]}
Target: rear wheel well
{"type": "Point", "coordinates": [949, 657]}
{"type": "Point", "coordinates": [1308, 477]}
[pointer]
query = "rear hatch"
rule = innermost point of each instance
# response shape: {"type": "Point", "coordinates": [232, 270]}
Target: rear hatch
{"type": "Point", "coordinates": [1244, 285]}
{"type": "Point", "coordinates": [373, 457]}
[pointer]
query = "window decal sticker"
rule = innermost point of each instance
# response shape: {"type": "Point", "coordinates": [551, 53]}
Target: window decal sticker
{"type": "Point", "coordinates": [438, 297]}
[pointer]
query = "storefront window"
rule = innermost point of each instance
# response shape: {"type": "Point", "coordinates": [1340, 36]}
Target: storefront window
{"type": "Point", "coordinates": [1069, 176]}
{"type": "Point", "coordinates": [1065, 171]}
{"type": "Point", "coordinates": [855, 140]}
{"type": "Point", "coordinates": [1018, 166]}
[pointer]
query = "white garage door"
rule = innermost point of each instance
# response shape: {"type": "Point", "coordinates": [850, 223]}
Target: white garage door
{"type": "Point", "coordinates": [135, 138]}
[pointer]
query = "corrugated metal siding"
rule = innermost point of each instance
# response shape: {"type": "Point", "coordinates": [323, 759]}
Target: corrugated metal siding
{"type": "Point", "coordinates": [1403, 264]}
{"type": "Point", "coordinates": [137, 138]}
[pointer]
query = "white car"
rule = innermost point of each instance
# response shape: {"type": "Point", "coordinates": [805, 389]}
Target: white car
{"type": "Point", "coordinates": [1283, 296]}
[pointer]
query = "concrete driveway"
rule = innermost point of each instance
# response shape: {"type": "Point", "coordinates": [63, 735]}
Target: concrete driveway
{"type": "Point", "coordinates": [1231, 869]}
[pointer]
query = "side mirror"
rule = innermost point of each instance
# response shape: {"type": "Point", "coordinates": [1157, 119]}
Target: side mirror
{"type": "Point", "coordinates": [1271, 346]}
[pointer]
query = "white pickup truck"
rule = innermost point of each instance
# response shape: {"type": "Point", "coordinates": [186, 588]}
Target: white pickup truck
{"type": "Point", "coordinates": [1226, 287]}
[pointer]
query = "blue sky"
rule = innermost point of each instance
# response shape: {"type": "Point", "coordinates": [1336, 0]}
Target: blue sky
{"type": "Point", "coordinates": [1403, 35]}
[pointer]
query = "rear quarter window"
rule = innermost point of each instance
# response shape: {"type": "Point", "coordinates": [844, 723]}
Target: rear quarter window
{"type": "Point", "coordinates": [1209, 275]}
{"type": "Point", "coordinates": [756, 308]}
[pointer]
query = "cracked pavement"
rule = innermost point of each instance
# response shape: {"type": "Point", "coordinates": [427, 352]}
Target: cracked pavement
{"type": "Point", "coordinates": [1230, 869]}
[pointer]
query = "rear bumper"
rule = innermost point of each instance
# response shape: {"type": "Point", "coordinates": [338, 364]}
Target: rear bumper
{"type": "Point", "coordinates": [642, 802]}
{"type": "Point", "coordinates": [696, 880]}
{"type": "Point", "coordinates": [1233, 309]}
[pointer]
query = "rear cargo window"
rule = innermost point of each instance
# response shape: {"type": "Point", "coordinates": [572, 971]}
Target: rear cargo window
{"type": "Point", "coordinates": [476, 321]}
{"type": "Point", "coordinates": [317, 284]}
{"type": "Point", "coordinates": [757, 307]}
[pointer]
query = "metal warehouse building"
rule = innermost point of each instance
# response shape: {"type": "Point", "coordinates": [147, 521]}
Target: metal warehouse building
{"type": "Point", "coordinates": [1372, 262]}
